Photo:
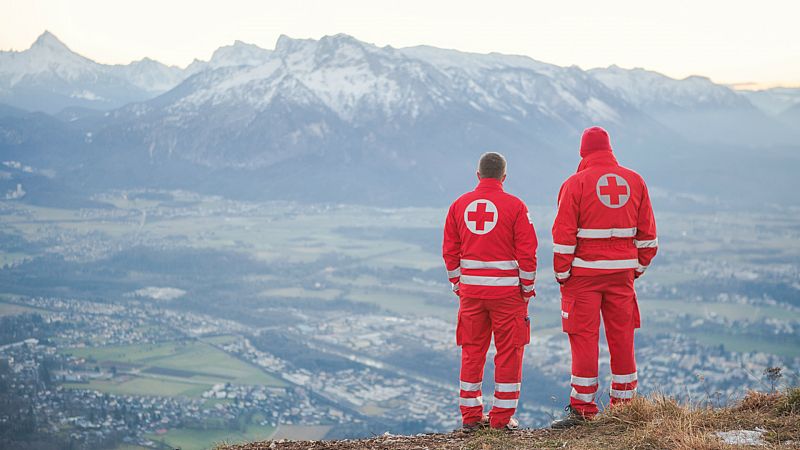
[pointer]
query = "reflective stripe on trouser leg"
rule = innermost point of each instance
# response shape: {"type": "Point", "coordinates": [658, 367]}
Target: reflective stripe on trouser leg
{"type": "Point", "coordinates": [470, 402]}
{"type": "Point", "coordinates": [584, 397]}
{"type": "Point", "coordinates": [470, 396]}
{"type": "Point", "coordinates": [622, 394]}
{"type": "Point", "coordinates": [508, 403]}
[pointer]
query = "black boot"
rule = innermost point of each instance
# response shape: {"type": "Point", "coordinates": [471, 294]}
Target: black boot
{"type": "Point", "coordinates": [572, 419]}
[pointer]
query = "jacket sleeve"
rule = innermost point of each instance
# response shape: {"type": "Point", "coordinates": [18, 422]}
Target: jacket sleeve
{"type": "Point", "coordinates": [525, 244]}
{"type": "Point", "coordinates": [451, 248]}
{"type": "Point", "coordinates": [646, 239]}
{"type": "Point", "coordinates": [565, 231]}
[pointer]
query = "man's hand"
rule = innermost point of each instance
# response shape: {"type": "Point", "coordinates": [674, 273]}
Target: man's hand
{"type": "Point", "coordinates": [527, 295]}
{"type": "Point", "coordinates": [455, 288]}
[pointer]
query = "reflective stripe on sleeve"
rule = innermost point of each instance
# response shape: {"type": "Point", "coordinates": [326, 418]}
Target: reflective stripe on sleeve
{"type": "Point", "coordinates": [564, 249]}
{"type": "Point", "coordinates": [629, 378]}
{"type": "Point", "coordinates": [505, 403]}
{"type": "Point", "coordinates": [606, 263]}
{"type": "Point", "coordinates": [616, 393]}
{"type": "Point", "coordinates": [582, 397]}
{"type": "Point", "coordinates": [641, 268]}
{"type": "Point", "coordinates": [477, 401]}
{"type": "Point", "coordinates": [646, 244]}
{"type": "Point", "coordinates": [489, 281]}
{"type": "Point", "coordinates": [527, 275]}
{"type": "Point", "coordinates": [562, 275]}
{"type": "Point", "coordinates": [501, 265]}
{"type": "Point", "coordinates": [466, 386]}
{"type": "Point", "coordinates": [527, 287]}
{"type": "Point", "coordinates": [583, 381]}
{"type": "Point", "coordinates": [601, 233]}
{"type": "Point", "coordinates": [454, 273]}
{"type": "Point", "coordinates": [507, 387]}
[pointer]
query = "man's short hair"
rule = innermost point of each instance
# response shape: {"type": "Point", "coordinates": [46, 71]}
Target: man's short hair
{"type": "Point", "coordinates": [492, 165]}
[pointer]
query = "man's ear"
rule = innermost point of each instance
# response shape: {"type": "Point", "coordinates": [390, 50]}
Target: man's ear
{"type": "Point", "coordinates": [478, 174]}
{"type": "Point", "coordinates": [504, 178]}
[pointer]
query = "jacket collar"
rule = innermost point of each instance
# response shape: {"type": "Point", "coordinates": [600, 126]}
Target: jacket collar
{"type": "Point", "coordinates": [596, 159]}
{"type": "Point", "coordinates": [490, 184]}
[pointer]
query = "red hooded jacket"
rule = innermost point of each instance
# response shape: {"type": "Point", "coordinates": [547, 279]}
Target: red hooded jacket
{"type": "Point", "coordinates": [605, 221]}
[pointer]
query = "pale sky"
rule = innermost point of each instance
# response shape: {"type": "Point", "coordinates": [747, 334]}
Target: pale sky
{"type": "Point", "coordinates": [731, 42]}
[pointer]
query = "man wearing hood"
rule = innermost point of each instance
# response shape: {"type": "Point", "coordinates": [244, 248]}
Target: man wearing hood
{"type": "Point", "coordinates": [604, 237]}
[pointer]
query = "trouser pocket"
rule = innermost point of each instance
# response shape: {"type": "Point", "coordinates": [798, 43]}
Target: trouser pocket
{"type": "Point", "coordinates": [567, 314]}
{"type": "Point", "coordinates": [460, 330]}
{"type": "Point", "coordinates": [636, 319]}
{"type": "Point", "coordinates": [523, 331]}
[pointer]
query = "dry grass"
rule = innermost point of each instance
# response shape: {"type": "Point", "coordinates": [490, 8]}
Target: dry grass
{"type": "Point", "coordinates": [657, 422]}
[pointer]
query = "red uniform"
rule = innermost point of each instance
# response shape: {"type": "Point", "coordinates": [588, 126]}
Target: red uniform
{"type": "Point", "coordinates": [604, 236]}
{"type": "Point", "coordinates": [489, 251]}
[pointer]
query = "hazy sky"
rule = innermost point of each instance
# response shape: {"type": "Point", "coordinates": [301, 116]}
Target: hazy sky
{"type": "Point", "coordinates": [729, 41]}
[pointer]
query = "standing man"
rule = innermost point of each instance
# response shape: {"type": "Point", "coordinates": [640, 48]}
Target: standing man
{"type": "Point", "coordinates": [489, 251]}
{"type": "Point", "coordinates": [604, 237]}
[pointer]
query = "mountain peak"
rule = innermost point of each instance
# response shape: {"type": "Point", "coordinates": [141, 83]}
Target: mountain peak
{"type": "Point", "coordinates": [48, 40]}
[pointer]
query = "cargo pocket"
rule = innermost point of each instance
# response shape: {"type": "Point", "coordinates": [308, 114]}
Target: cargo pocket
{"type": "Point", "coordinates": [567, 314]}
{"type": "Point", "coordinates": [523, 331]}
{"type": "Point", "coordinates": [637, 320]}
{"type": "Point", "coordinates": [459, 331]}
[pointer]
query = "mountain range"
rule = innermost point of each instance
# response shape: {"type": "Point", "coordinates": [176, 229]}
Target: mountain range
{"type": "Point", "coordinates": [341, 120]}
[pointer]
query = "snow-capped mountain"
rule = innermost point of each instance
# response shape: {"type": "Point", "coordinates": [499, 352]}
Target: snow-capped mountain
{"type": "Point", "coordinates": [49, 77]}
{"type": "Point", "coordinates": [238, 54]}
{"type": "Point", "coordinates": [337, 119]}
{"type": "Point", "coordinates": [696, 108]}
{"type": "Point", "coordinates": [774, 101]}
{"type": "Point", "coordinates": [339, 103]}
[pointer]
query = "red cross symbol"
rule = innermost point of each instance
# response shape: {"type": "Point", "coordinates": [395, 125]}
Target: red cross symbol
{"type": "Point", "coordinates": [480, 216]}
{"type": "Point", "coordinates": [613, 190]}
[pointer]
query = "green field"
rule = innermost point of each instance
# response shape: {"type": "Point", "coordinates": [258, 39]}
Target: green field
{"type": "Point", "coordinates": [189, 439]}
{"type": "Point", "coordinates": [170, 369]}
{"type": "Point", "coordinates": [143, 386]}
{"type": "Point", "coordinates": [9, 309]}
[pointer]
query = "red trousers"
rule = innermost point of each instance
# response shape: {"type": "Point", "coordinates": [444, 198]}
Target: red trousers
{"type": "Point", "coordinates": [478, 319]}
{"type": "Point", "coordinates": [583, 299]}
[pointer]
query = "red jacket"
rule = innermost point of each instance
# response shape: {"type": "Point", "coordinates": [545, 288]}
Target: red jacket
{"type": "Point", "coordinates": [489, 244]}
{"type": "Point", "coordinates": [605, 221]}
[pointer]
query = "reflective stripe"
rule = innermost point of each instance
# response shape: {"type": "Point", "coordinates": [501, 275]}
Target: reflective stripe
{"type": "Point", "coordinates": [583, 381]}
{"type": "Point", "coordinates": [616, 393]}
{"type": "Point", "coordinates": [465, 386]}
{"type": "Point", "coordinates": [527, 275]}
{"type": "Point", "coordinates": [505, 403]}
{"type": "Point", "coordinates": [562, 275]}
{"type": "Point", "coordinates": [477, 401]}
{"type": "Point", "coordinates": [565, 249]}
{"type": "Point", "coordinates": [629, 378]}
{"type": "Point", "coordinates": [641, 268]}
{"type": "Point", "coordinates": [527, 287]}
{"type": "Point", "coordinates": [600, 233]}
{"type": "Point", "coordinates": [606, 263]}
{"type": "Point", "coordinates": [490, 281]}
{"type": "Point", "coordinates": [454, 273]}
{"type": "Point", "coordinates": [646, 244]}
{"type": "Point", "coordinates": [582, 397]}
{"type": "Point", "coordinates": [507, 387]}
{"type": "Point", "coordinates": [501, 265]}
